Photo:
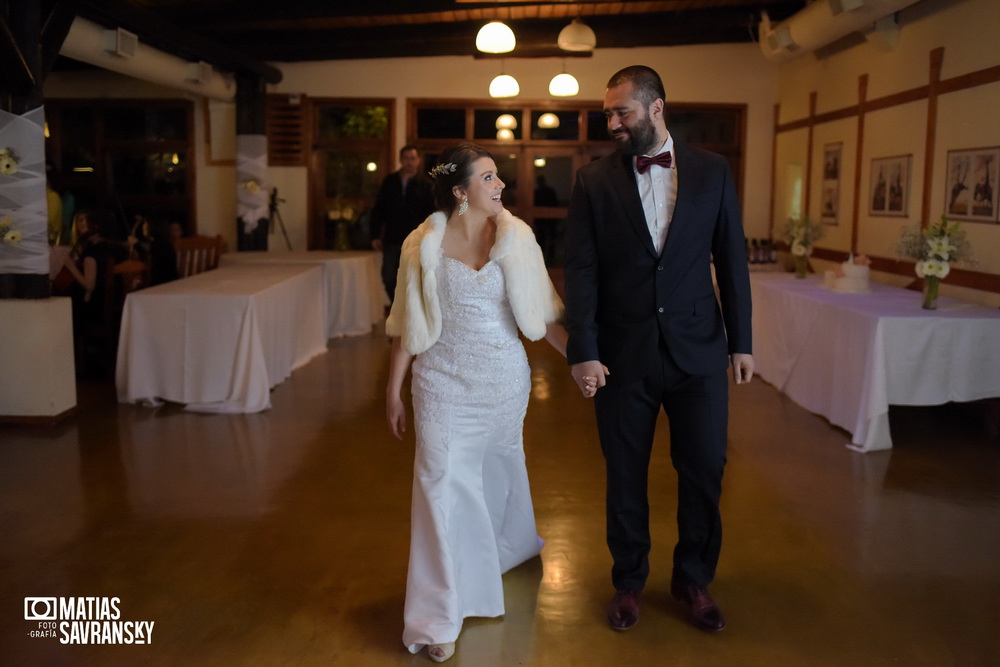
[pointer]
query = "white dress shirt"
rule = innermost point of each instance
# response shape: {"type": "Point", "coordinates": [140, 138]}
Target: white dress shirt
{"type": "Point", "coordinates": [658, 191]}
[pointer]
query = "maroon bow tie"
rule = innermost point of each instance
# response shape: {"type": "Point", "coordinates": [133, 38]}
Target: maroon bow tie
{"type": "Point", "coordinates": [642, 162]}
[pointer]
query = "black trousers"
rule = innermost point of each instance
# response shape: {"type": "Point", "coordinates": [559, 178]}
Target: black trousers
{"type": "Point", "coordinates": [697, 410]}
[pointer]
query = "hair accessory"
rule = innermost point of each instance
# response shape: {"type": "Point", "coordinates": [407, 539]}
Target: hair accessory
{"type": "Point", "coordinates": [447, 168]}
{"type": "Point", "coordinates": [464, 206]}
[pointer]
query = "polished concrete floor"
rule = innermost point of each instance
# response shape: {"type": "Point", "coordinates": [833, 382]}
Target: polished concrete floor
{"type": "Point", "coordinates": [281, 538]}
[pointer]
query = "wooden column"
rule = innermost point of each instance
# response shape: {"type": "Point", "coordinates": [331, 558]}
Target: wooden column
{"type": "Point", "coordinates": [858, 155]}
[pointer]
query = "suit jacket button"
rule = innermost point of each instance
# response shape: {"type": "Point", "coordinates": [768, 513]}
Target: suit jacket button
{"type": "Point", "coordinates": [659, 310]}
{"type": "Point", "coordinates": [659, 268]}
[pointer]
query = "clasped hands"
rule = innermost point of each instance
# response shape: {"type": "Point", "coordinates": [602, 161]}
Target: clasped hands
{"type": "Point", "coordinates": [590, 375]}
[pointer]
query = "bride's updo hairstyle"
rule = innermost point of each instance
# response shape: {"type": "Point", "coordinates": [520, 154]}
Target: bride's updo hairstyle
{"type": "Point", "coordinates": [454, 169]}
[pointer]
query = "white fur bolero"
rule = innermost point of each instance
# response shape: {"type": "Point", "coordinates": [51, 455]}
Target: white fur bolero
{"type": "Point", "coordinates": [416, 311]}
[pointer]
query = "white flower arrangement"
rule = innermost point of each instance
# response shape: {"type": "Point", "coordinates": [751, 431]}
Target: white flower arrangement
{"type": "Point", "coordinates": [8, 161]}
{"type": "Point", "coordinates": [934, 248]}
{"type": "Point", "coordinates": [801, 234]}
{"type": "Point", "coordinates": [9, 235]}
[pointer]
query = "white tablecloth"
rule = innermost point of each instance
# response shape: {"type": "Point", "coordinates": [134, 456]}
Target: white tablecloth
{"type": "Point", "coordinates": [849, 356]}
{"type": "Point", "coordinates": [355, 296]}
{"type": "Point", "coordinates": [219, 340]}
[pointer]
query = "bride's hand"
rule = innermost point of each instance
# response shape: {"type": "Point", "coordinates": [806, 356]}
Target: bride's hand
{"type": "Point", "coordinates": [395, 414]}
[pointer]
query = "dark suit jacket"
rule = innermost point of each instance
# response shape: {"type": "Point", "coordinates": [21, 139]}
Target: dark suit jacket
{"type": "Point", "coordinates": [395, 215]}
{"type": "Point", "coordinates": [621, 299]}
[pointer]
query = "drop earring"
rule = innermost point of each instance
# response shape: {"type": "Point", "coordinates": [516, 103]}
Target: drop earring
{"type": "Point", "coordinates": [464, 206]}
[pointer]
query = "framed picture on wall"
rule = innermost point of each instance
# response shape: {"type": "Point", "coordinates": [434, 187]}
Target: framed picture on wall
{"type": "Point", "coordinates": [830, 195]}
{"type": "Point", "coordinates": [972, 183]}
{"type": "Point", "coordinates": [890, 185]}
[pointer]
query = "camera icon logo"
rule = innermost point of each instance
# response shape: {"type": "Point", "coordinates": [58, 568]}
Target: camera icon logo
{"type": "Point", "coordinates": [40, 609]}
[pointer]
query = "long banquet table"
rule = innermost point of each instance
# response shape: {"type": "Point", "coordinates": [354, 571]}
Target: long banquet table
{"type": "Point", "coordinates": [848, 357]}
{"type": "Point", "coordinates": [219, 340]}
{"type": "Point", "coordinates": [353, 293]}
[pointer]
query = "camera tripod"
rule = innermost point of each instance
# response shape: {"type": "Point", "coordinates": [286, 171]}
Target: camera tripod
{"type": "Point", "coordinates": [275, 214]}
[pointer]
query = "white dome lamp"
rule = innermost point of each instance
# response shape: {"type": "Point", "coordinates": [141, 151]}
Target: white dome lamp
{"type": "Point", "coordinates": [577, 36]}
{"type": "Point", "coordinates": [504, 85]}
{"type": "Point", "coordinates": [548, 121]}
{"type": "Point", "coordinates": [564, 85]}
{"type": "Point", "coordinates": [506, 121]}
{"type": "Point", "coordinates": [495, 37]}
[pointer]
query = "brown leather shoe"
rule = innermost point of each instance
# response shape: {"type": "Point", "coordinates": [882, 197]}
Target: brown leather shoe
{"type": "Point", "coordinates": [701, 608]}
{"type": "Point", "coordinates": [623, 610]}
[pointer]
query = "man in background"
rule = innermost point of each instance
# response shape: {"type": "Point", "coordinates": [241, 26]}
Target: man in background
{"type": "Point", "coordinates": [404, 200]}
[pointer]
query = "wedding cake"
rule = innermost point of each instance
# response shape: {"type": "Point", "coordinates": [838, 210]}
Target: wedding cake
{"type": "Point", "coordinates": [851, 276]}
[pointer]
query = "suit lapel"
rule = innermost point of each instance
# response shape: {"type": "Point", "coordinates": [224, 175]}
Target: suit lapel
{"type": "Point", "coordinates": [623, 183]}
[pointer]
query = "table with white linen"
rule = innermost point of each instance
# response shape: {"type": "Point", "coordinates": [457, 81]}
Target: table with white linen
{"type": "Point", "coordinates": [848, 357]}
{"type": "Point", "coordinates": [219, 340]}
{"type": "Point", "coordinates": [354, 295]}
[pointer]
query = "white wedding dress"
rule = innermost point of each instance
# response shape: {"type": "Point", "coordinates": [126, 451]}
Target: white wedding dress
{"type": "Point", "coordinates": [472, 518]}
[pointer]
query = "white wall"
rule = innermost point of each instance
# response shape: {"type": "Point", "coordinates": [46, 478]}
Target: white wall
{"type": "Point", "coordinates": [726, 73]}
{"type": "Point", "coordinates": [968, 30]}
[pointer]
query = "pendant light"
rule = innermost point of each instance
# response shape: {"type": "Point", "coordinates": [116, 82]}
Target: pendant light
{"type": "Point", "coordinates": [506, 121]}
{"type": "Point", "coordinates": [564, 85]}
{"type": "Point", "coordinates": [495, 37]}
{"type": "Point", "coordinates": [505, 134]}
{"type": "Point", "coordinates": [504, 85]}
{"type": "Point", "coordinates": [548, 121]}
{"type": "Point", "coordinates": [577, 36]}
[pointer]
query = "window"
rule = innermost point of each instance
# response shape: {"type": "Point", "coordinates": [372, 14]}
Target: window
{"type": "Point", "coordinates": [549, 140]}
{"type": "Point", "coordinates": [124, 157]}
{"type": "Point", "coordinates": [352, 143]}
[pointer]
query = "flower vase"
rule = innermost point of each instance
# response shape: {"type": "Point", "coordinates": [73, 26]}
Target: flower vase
{"type": "Point", "coordinates": [801, 266]}
{"type": "Point", "coordinates": [342, 239]}
{"type": "Point", "coordinates": [930, 292]}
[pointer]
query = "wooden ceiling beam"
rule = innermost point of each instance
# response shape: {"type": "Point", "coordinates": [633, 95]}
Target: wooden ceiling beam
{"type": "Point", "coordinates": [15, 73]}
{"type": "Point", "coordinates": [55, 27]}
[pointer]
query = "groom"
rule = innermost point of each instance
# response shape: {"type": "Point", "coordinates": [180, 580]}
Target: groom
{"type": "Point", "coordinates": [645, 226]}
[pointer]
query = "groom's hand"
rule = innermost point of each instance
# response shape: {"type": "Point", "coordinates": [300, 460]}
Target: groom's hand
{"type": "Point", "coordinates": [742, 367]}
{"type": "Point", "coordinates": [589, 376]}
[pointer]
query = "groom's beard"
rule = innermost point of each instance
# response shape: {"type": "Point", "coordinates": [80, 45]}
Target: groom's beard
{"type": "Point", "coordinates": [637, 140]}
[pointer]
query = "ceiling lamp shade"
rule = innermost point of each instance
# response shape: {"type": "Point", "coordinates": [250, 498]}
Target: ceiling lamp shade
{"type": "Point", "coordinates": [577, 36]}
{"type": "Point", "coordinates": [548, 121]}
{"type": "Point", "coordinates": [505, 134]}
{"type": "Point", "coordinates": [563, 85]}
{"type": "Point", "coordinates": [504, 86]}
{"type": "Point", "coordinates": [539, 162]}
{"type": "Point", "coordinates": [506, 121]}
{"type": "Point", "coordinates": [495, 37]}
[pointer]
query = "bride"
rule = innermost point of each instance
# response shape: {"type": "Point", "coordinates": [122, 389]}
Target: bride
{"type": "Point", "coordinates": [470, 276]}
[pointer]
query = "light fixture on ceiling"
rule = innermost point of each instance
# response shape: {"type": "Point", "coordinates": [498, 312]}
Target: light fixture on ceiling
{"type": "Point", "coordinates": [506, 121]}
{"type": "Point", "coordinates": [539, 162]}
{"type": "Point", "coordinates": [505, 134]}
{"type": "Point", "coordinates": [495, 37]}
{"type": "Point", "coordinates": [577, 36]}
{"type": "Point", "coordinates": [548, 121]}
{"type": "Point", "coordinates": [564, 85]}
{"type": "Point", "coordinates": [504, 85]}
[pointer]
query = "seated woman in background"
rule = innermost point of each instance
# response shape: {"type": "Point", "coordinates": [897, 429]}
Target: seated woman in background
{"type": "Point", "coordinates": [151, 240]}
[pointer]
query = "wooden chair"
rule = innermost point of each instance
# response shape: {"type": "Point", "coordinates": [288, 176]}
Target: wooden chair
{"type": "Point", "coordinates": [198, 253]}
{"type": "Point", "coordinates": [120, 279]}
